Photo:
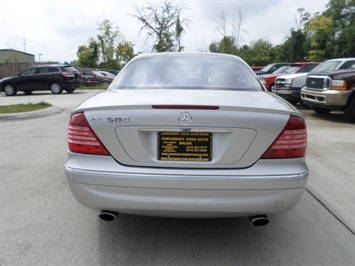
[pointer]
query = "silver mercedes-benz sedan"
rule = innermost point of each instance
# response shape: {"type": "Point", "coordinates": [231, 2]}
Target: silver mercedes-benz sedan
{"type": "Point", "coordinates": [190, 135]}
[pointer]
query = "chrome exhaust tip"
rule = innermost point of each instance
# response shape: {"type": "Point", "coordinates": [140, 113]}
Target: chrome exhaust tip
{"type": "Point", "coordinates": [108, 216]}
{"type": "Point", "coordinates": [259, 220]}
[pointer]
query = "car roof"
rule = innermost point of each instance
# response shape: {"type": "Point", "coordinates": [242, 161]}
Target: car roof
{"type": "Point", "coordinates": [187, 54]}
{"type": "Point", "coordinates": [39, 66]}
{"type": "Point", "coordinates": [305, 63]}
{"type": "Point", "coordinates": [341, 59]}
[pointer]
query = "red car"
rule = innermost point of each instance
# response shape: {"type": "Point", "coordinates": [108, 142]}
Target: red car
{"type": "Point", "coordinates": [299, 67]}
{"type": "Point", "coordinates": [256, 68]}
{"type": "Point", "coordinates": [94, 78]}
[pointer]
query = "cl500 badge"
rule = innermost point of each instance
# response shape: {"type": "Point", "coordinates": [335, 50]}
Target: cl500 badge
{"type": "Point", "coordinates": [125, 119]}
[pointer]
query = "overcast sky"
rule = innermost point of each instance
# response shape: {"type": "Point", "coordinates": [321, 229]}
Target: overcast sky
{"type": "Point", "coordinates": [56, 28]}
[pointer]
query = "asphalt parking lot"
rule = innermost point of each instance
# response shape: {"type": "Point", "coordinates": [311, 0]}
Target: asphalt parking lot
{"type": "Point", "coordinates": [42, 224]}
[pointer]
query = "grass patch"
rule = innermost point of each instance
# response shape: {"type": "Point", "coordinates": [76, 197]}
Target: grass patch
{"type": "Point", "coordinates": [97, 87]}
{"type": "Point", "coordinates": [20, 108]}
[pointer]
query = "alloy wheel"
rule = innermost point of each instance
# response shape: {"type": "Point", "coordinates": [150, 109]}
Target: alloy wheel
{"type": "Point", "coordinates": [10, 90]}
{"type": "Point", "coordinates": [56, 88]}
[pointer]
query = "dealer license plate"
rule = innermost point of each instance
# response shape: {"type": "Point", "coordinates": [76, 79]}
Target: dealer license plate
{"type": "Point", "coordinates": [185, 146]}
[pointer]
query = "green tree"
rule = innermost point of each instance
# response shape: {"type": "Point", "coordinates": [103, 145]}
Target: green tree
{"type": "Point", "coordinates": [88, 55]}
{"type": "Point", "coordinates": [231, 33]}
{"type": "Point", "coordinates": [296, 45]}
{"type": "Point", "coordinates": [164, 23]}
{"type": "Point", "coordinates": [259, 53]}
{"type": "Point", "coordinates": [124, 53]}
{"type": "Point", "coordinates": [321, 39]}
{"type": "Point", "coordinates": [108, 39]}
{"type": "Point", "coordinates": [108, 50]}
{"type": "Point", "coordinates": [342, 13]}
{"type": "Point", "coordinates": [238, 27]}
{"type": "Point", "coordinates": [179, 29]}
{"type": "Point", "coordinates": [165, 43]}
{"type": "Point", "coordinates": [315, 38]}
{"type": "Point", "coordinates": [332, 34]}
{"type": "Point", "coordinates": [301, 18]}
{"type": "Point", "coordinates": [294, 48]}
{"type": "Point", "coordinates": [225, 46]}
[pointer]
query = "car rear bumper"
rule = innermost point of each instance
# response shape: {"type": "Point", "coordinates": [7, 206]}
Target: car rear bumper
{"type": "Point", "coordinates": [199, 193]}
{"type": "Point", "coordinates": [326, 98]}
{"type": "Point", "coordinates": [288, 93]}
{"type": "Point", "coordinates": [72, 84]}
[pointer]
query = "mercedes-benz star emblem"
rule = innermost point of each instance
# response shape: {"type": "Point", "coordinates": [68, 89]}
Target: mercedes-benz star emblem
{"type": "Point", "coordinates": [185, 118]}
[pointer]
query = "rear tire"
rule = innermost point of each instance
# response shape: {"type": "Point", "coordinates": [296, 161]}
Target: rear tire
{"type": "Point", "coordinates": [304, 105]}
{"type": "Point", "coordinates": [56, 88]}
{"type": "Point", "coordinates": [293, 102]}
{"type": "Point", "coordinates": [10, 90]}
{"type": "Point", "coordinates": [320, 110]}
{"type": "Point", "coordinates": [70, 90]}
{"type": "Point", "coordinates": [350, 110]}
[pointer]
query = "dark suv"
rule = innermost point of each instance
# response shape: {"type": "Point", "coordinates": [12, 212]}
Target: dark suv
{"type": "Point", "coordinates": [55, 78]}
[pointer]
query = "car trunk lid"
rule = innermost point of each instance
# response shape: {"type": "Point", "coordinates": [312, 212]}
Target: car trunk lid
{"type": "Point", "coordinates": [187, 128]}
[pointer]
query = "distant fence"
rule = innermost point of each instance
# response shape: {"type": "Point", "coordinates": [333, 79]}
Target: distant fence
{"type": "Point", "coordinates": [11, 69]}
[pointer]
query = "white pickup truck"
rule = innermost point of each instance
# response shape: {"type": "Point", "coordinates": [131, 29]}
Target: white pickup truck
{"type": "Point", "coordinates": [289, 86]}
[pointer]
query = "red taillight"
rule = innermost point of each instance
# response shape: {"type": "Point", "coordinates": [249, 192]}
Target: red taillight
{"type": "Point", "coordinates": [81, 138]}
{"type": "Point", "coordinates": [68, 74]}
{"type": "Point", "coordinates": [292, 141]}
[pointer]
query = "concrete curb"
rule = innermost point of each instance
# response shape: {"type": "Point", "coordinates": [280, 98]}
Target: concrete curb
{"type": "Point", "coordinates": [333, 209]}
{"type": "Point", "coordinates": [34, 114]}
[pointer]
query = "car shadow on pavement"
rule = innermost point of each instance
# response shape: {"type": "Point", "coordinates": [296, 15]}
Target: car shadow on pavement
{"type": "Point", "coordinates": [39, 93]}
{"type": "Point", "coordinates": [303, 236]}
{"type": "Point", "coordinates": [334, 116]}
{"type": "Point", "coordinates": [141, 240]}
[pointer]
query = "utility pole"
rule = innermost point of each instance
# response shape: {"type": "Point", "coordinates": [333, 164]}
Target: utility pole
{"type": "Point", "coordinates": [24, 44]}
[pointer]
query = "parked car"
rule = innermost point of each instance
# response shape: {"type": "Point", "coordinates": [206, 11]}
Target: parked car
{"type": "Point", "coordinates": [106, 74]}
{"type": "Point", "coordinates": [331, 90]}
{"type": "Point", "coordinates": [94, 78]}
{"type": "Point", "coordinates": [289, 86]}
{"type": "Point", "coordinates": [280, 70]}
{"type": "Point", "coordinates": [187, 135]}
{"type": "Point", "coordinates": [112, 71]}
{"type": "Point", "coordinates": [256, 68]}
{"type": "Point", "coordinates": [270, 68]}
{"type": "Point", "coordinates": [55, 78]}
{"type": "Point", "coordinates": [300, 67]}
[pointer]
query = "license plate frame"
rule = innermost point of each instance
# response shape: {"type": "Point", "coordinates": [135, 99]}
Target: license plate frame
{"type": "Point", "coordinates": [184, 146]}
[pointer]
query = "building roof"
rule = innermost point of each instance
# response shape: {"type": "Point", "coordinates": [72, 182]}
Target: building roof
{"type": "Point", "coordinates": [17, 51]}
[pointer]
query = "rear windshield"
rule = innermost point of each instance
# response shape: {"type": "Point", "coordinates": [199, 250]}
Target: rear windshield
{"type": "Point", "coordinates": [187, 72]}
{"type": "Point", "coordinates": [267, 68]}
{"type": "Point", "coordinates": [292, 70]}
{"type": "Point", "coordinates": [282, 69]}
{"type": "Point", "coordinates": [326, 66]}
{"type": "Point", "coordinates": [70, 69]}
